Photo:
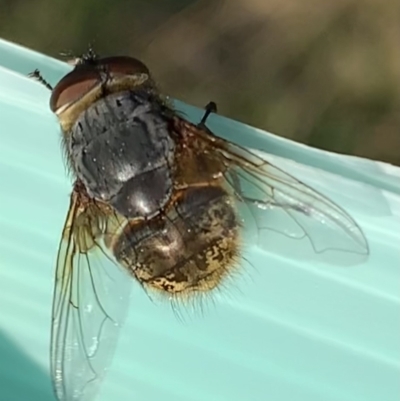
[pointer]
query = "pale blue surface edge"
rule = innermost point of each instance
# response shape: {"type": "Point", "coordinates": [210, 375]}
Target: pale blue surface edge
{"type": "Point", "coordinates": [293, 331]}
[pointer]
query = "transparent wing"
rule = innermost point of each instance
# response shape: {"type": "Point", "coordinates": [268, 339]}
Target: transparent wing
{"type": "Point", "coordinates": [284, 209]}
{"type": "Point", "coordinates": [90, 303]}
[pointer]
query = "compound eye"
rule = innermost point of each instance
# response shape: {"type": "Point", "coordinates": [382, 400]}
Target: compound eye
{"type": "Point", "coordinates": [123, 65]}
{"type": "Point", "coordinates": [73, 86]}
{"type": "Point", "coordinates": [86, 76]}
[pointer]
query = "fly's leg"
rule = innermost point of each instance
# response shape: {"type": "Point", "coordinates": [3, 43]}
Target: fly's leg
{"type": "Point", "coordinates": [210, 108]}
{"type": "Point", "coordinates": [38, 77]}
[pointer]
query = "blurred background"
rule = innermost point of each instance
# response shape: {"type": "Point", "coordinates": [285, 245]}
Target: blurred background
{"type": "Point", "coordinates": [325, 73]}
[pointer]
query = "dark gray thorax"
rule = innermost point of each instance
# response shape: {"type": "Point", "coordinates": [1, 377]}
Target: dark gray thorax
{"type": "Point", "coordinates": [121, 149]}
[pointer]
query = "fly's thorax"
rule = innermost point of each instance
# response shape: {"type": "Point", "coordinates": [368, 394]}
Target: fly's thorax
{"type": "Point", "coordinates": [190, 250]}
{"type": "Point", "coordinates": [121, 149]}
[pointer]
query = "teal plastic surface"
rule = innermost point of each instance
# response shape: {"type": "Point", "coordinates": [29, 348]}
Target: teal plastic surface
{"type": "Point", "coordinates": [287, 330]}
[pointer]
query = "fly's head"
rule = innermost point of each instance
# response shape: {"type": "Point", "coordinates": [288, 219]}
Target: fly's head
{"type": "Point", "coordinates": [94, 78]}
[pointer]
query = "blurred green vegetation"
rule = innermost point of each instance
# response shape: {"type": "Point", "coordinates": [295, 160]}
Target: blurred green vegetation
{"type": "Point", "coordinates": [323, 73]}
